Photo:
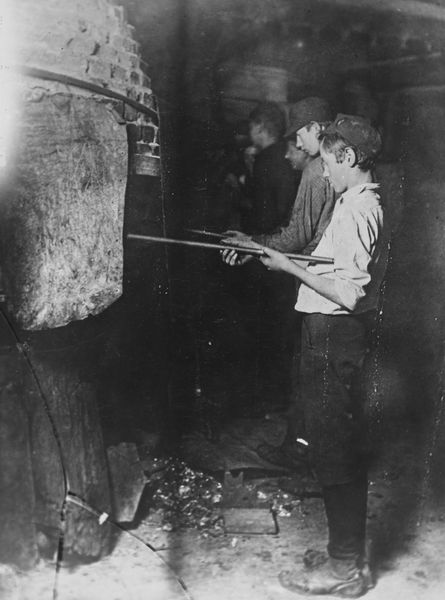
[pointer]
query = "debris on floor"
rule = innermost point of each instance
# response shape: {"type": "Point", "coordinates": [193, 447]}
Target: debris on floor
{"type": "Point", "coordinates": [185, 497]}
{"type": "Point", "coordinates": [213, 477]}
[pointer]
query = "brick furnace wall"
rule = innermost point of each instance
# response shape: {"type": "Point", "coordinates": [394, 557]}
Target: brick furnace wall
{"type": "Point", "coordinates": [63, 218]}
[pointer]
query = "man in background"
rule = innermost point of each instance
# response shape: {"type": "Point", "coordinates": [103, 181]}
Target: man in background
{"type": "Point", "coordinates": [271, 189]}
{"type": "Point", "coordinates": [273, 183]}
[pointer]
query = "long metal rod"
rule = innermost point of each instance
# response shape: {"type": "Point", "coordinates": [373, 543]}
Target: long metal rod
{"type": "Point", "coordinates": [240, 249]}
{"type": "Point", "coordinates": [218, 236]}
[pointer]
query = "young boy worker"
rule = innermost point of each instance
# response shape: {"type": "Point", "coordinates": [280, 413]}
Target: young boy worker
{"type": "Point", "coordinates": [338, 303]}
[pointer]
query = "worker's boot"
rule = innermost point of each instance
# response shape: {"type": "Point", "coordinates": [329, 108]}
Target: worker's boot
{"type": "Point", "coordinates": [341, 571]}
{"type": "Point", "coordinates": [336, 577]}
{"type": "Point", "coordinates": [313, 559]}
{"type": "Point", "coordinates": [291, 455]}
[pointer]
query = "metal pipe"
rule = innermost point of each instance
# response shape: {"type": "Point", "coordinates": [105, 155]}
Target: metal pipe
{"type": "Point", "coordinates": [86, 85]}
{"type": "Point", "coordinates": [219, 236]}
{"type": "Point", "coordinates": [240, 249]}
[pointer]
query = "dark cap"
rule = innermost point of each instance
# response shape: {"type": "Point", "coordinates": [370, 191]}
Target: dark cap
{"type": "Point", "coordinates": [358, 132]}
{"type": "Point", "coordinates": [307, 110]}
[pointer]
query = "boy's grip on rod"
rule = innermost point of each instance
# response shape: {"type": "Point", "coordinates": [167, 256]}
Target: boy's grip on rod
{"type": "Point", "coordinates": [241, 249]}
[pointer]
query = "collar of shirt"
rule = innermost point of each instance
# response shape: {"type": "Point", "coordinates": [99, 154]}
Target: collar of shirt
{"type": "Point", "coordinates": [356, 190]}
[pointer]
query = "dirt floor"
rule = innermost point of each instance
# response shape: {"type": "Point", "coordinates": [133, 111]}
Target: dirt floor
{"type": "Point", "coordinates": [242, 558]}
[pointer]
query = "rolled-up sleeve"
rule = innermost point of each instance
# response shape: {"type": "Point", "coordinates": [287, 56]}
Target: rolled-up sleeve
{"type": "Point", "coordinates": [354, 242]}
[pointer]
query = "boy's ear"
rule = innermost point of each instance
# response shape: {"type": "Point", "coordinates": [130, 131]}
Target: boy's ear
{"type": "Point", "coordinates": [350, 156]}
{"type": "Point", "coordinates": [316, 128]}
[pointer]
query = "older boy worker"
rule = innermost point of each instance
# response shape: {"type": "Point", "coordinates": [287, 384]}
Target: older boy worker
{"type": "Point", "coordinates": [310, 216]}
{"type": "Point", "coordinates": [338, 303]}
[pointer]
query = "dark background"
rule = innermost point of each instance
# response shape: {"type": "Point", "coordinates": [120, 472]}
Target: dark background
{"type": "Point", "coordinates": [393, 57]}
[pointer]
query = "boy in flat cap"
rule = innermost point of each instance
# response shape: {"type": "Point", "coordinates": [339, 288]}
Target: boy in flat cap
{"type": "Point", "coordinates": [310, 216]}
{"type": "Point", "coordinates": [338, 303]}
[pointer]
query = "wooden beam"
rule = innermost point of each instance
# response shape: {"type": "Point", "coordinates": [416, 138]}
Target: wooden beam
{"type": "Point", "coordinates": [413, 8]}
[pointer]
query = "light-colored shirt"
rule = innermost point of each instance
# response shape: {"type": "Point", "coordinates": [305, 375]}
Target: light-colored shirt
{"type": "Point", "coordinates": [356, 240]}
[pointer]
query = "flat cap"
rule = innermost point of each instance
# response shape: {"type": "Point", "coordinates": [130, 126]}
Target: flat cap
{"type": "Point", "coordinates": [307, 110]}
{"type": "Point", "coordinates": [358, 132]}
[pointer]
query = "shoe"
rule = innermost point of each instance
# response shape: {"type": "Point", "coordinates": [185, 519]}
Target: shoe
{"type": "Point", "coordinates": [289, 456]}
{"type": "Point", "coordinates": [312, 559]}
{"type": "Point", "coordinates": [324, 580]}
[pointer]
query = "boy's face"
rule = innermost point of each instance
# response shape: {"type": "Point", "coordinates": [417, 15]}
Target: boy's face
{"type": "Point", "coordinates": [336, 172]}
{"type": "Point", "coordinates": [249, 157]}
{"type": "Point", "coordinates": [256, 134]}
{"type": "Point", "coordinates": [307, 139]}
{"type": "Point", "coordinates": [297, 158]}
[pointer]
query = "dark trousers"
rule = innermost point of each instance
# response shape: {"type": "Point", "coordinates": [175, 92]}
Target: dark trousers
{"type": "Point", "coordinates": [295, 421]}
{"type": "Point", "coordinates": [333, 354]}
{"type": "Point", "coordinates": [268, 299]}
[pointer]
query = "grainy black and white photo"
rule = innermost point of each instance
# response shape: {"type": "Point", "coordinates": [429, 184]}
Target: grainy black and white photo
{"type": "Point", "coordinates": [222, 367]}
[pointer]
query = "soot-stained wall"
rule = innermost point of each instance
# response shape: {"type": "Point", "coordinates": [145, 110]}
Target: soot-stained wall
{"type": "Point", "coordinates": [415, 283]}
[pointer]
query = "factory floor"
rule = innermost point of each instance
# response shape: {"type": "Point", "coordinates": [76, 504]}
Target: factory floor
{"type": "Point", "coordinates": [406, 533]}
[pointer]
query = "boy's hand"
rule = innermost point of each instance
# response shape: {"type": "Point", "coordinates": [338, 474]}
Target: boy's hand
{"type": "Point", "coordinates": [232, 258]}
{"type": "Point", "coordinates": [275, 261]}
